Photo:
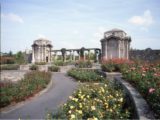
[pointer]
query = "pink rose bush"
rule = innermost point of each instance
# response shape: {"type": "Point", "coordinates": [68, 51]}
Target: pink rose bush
{"type": "Point", "coordinates": [146, 78]}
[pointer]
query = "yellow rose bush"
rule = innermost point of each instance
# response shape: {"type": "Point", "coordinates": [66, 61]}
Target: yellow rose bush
{"type": "Point", "coordinates": [94, 101]}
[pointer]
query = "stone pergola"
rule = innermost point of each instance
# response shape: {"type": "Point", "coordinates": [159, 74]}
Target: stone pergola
{"type": "Point", "coordinates": [115, 44]}
{"type": "Point", "coordinates": [41, 51]}
{"type": "Point", "coordinates": [80, 52]}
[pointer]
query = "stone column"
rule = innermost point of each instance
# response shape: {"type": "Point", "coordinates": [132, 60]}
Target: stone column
{"type": "Point", "coordinates": [79, 56]}
{"type": "Point", "coordinates": [64, 56]}
{"type": "Point", "coordinates": [84, 58]}
{"type": "Point", "coordinates": [38, 54]}
{"type": "Point", "coordinates": [50, 55]}
{"type": "Point", "coordinates": [78, 52]}
{"type": "Point", "coordinates": [71, 55]}
{"type": "Point", "coordinates": [119, 52]}
{"type": "Point", "coordinates": [104, 49]}
{"type": "Point", "coordinates": [96, 54]}
{"type": "Point", "coordinates": [55, 55]}
{"type": "Point", "coordinates": [106, 52]}
{"type": "Point", "coordinates": [127, 50]}
{"type": "Point", "coordinates": [45, 53]}
{"type": "Point", "coordinates": [88, 54]}
{"type": "Point", "coordinates": [124, 49]}
{"type": "Point", "coordinates": [33, 57]}
{"type": "Point", "coordinates": [41, 53]}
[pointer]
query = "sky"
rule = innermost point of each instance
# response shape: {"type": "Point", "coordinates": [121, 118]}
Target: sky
{"type": "Point", "coordinates": [78, 23]}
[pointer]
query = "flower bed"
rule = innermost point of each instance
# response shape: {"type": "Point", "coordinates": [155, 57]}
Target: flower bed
{"type": "Point", "coordinates": [10, 67]}
{"type": "Point", "coordinates": [32, 83]}
{"type": "Point", "coordinates": [146, 78]}
{"type": "Point", "coordinates": [115, 65]}
{"type": "Point", "coordinates": [54, 68]}
{"type": "Point", "coordinates": [85, 75]}
{"type": "Point", "coordinates": [83, 64]}
{"type": "Point", "coordinates": [95, 101]}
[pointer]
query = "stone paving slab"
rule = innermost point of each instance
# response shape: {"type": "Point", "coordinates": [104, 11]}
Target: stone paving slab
{"type": "Point", "coordinates": [64, 69]}
{"type": "Point", "coordinates": [12, 75]}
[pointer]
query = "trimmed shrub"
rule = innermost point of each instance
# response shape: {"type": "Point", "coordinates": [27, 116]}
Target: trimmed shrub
{"type": "Point", "coordinates": [54, 68]}
{"type": "Point", "coordinates": [33, 67]}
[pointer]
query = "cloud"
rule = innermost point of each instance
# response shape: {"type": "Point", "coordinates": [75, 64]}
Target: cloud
{"type": "Point", "coordinates": [138, 42]}
{"type": "Point", "coordinates": [68, 45]}
{"type": "Point", "coordinates": [41, 36]}
{"type": "Point", "coordinates": [97, 35]}
{"type": "Point", "coordinates": [145, 20]}
{"type": "Point", "coordinates": [100, 32]}
{"type": "Point", "coordinates": [13, 17]}
{"type": "Point", "coordinates": [75, 32]}
{"type": "Point", "coordinates": [144, 29]}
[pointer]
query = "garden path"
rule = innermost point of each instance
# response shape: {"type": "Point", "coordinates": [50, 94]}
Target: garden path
{"type": "Point", "coordinates": [37, 108]}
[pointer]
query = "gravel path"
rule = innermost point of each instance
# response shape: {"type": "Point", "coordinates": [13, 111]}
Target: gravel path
{"type": "Point", "coordinates": [63, 87]}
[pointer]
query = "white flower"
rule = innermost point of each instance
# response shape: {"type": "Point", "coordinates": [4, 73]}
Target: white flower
{"type": "Point", "coordinates": [93, 108]}
{"type": "Point", "coordinates": [73, 116]}
{"type": "Point", "coordinates": [71, 107]}
{"type": "Point", "coordinates": [70, 97]}
{"type": "Point", "coordinates": [80, 111]}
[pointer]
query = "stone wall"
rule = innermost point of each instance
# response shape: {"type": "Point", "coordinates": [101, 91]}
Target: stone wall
{"type": "Point", "coordinates": [147, 55]}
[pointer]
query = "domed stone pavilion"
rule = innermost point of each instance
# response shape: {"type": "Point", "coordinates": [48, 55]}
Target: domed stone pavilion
{"type": "Point", "coordinates": [41, 50]}
{"type": "Point", "coordinates": [115, 44]}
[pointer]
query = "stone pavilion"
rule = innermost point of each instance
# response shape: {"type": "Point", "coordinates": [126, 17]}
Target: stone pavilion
{"type": "Point", "coordinates": [115, 44]}
{"type": "Point", "coordinates": [41, 50]}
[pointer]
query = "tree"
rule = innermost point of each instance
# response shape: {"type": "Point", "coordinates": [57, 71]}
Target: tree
{"type": "Point", "coordinates": [82, 53]}
{"type": "Point", "coordinates": [20, 58]}
{"type": "Point", "coordinates": [63, 50]}
{"type": "Point", "coordinates": [10, 53]}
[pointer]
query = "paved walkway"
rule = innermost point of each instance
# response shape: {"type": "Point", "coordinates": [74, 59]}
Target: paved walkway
{"type": "Point", "coordinates": [63, 87]}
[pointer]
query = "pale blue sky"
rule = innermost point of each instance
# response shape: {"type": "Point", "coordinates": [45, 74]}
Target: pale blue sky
{"type": "Point", "coordinates": [77, 23]}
